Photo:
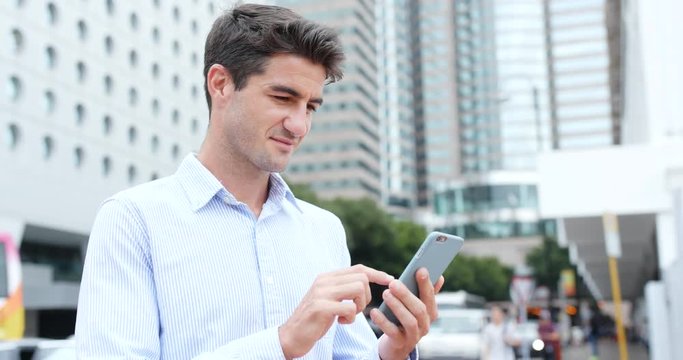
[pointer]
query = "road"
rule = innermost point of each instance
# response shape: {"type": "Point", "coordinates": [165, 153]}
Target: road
{"type": "Point", "coordinates": [608, 350]}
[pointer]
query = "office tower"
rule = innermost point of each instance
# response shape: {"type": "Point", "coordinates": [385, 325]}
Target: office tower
{"type": "Point", "coordinates": [485, 115]}
{"type": "Point", "coordinates": [531, 76]}
{"type": "Point", "coordinates": [437, 128]}
{"type": "Point", "coordinates": [584, 85]}
{"type": "Point", "coordinates": [99, 96]}
{"type": "Point", "coordinates": [521, 83]}
{"type": "Point", "coordinates": [341, 157]}
{"type": "Point", "coordinates": [397, 108]}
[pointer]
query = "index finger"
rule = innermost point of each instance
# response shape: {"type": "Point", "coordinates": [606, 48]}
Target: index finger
{"type": "Point", "coordinates": [427, 293]}
{"type": "Point", "coordinates": [374, 276]}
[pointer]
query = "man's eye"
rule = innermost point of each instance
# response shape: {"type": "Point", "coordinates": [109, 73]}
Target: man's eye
{"type": "Point", "coordinates": [312, 109]}
{"type": "Point", "coordinates": [280, 98]}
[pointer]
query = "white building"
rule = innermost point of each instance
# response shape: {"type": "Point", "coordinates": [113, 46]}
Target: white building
{"type": "Point", "coordinates": [641, 181]}
{"type": "Point", "coordinates": [99, 96]}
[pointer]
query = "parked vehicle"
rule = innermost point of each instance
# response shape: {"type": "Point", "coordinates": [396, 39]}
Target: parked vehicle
{"type": "Point", "coordinates": [55, 350]}
{"type": "Point", "coordinates": [455, 334]}
{"type": "Point", "coordinates": [459, 300]}
{"type": "Point", "coordinates": [38, 349]}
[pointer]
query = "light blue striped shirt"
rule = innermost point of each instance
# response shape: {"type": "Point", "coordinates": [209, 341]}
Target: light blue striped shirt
{"type": "Point", "coordinates": [179, 269]}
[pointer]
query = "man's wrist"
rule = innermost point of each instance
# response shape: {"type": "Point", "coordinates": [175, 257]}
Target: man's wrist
{"type": "Point", "coordinates": [284, 343]}
{"type": "Point", "coordinates": [386, 351]}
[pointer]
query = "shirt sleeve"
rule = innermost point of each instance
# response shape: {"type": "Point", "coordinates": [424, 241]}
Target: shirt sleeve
{"type": "Point", "coordinates": [117, 314]}
{"type": "Point", "coordinates": [355, 341]}
{"type": "Point", "coordinates": [117, 307]}
{"type": "Point", "coordinates": [263, 345]}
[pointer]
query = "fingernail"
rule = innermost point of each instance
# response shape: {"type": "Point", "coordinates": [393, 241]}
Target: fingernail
{"type": "Point", "coordinates": [386, 294]}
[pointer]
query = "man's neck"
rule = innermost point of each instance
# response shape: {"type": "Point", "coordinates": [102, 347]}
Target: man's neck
{"type": "Point", "coordinates": [246, 183]}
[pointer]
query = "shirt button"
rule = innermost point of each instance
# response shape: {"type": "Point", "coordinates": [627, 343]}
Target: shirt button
{"type": "Point", "coordinates": [269, 280]}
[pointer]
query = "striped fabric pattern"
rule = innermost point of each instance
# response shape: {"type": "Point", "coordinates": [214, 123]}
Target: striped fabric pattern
{"type": "Point", "coordinates": [179, 269]}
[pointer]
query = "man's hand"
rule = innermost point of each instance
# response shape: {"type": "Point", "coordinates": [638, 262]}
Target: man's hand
{"type": "Point", "coordinates": [324, 302]}
{"type": "Point", "coordinates": [415, 314]}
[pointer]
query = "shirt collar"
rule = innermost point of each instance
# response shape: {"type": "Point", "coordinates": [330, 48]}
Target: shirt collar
{"type": "Point", "coordinates": [279, 191]}
{"type": "Point", "coordinates": [201, 185]}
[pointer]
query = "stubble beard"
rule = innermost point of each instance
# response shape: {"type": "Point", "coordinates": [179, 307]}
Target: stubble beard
{"type": "Point", "coordinates": [243, 146]}
{"type": "Point", "coordinates": [266, 162]}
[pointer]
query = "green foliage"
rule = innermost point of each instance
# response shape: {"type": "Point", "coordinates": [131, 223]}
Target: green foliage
{"type": "Point", "coordinates": [377, 240]}
{"type": "Point", "coordinates": [484, 276]}
{"type": "Point", "coordinates": [547, 261]}
{"type": "Point", "coordinates": [371, 234]}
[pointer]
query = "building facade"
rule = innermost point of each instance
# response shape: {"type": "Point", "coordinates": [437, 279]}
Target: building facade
{"type": "Point", "coordinates": [527, 77]}
{"type": "Point", "coordinates": [582, 72]}
{"type": "Point", "coordinates": [485, 115]}
{"type": "Point", "coordinates": [437, 131]}
{"type": "Point", "coordinates": [342, 156]}
{"type": "Point", "coordinates": [397, 107]}
{"type": "Point", "coordinates": [639, 182]}
{"type": "Point", "coordinates": [98, 97]}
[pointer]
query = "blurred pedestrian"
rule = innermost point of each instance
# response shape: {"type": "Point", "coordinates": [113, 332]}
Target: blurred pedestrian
{"type": "Point", "coordinates": [595, 324]}
{"type": "Point", "coordinates": [220, 260]}
{"type": "Point", "coordinates": [550, 336]}
{"type": "Point", "coordinates": [499, 337]}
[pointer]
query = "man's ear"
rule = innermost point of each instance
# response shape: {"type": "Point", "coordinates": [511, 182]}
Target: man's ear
{"type": "Point", "coordinates": [219, 84]}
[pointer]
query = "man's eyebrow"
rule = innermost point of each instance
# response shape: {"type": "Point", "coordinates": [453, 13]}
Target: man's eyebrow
{"type": "Point", "coordinates": [294, 93]}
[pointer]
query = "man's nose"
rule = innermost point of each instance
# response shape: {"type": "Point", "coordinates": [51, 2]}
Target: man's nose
{"type": "Point", "coordinates": [297, 122]}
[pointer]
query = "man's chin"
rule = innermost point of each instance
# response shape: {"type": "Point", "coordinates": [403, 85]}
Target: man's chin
{"type": "Point", "coordinates": [276, 166]}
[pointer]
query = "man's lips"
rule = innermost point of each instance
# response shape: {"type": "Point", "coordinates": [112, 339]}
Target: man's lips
{"type": "Point", "coordinates": [284, 142]}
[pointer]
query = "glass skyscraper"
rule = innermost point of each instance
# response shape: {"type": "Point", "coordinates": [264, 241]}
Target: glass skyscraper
{"type": "Point", "coordinates": [362, 142]}
{"type": "Point", "coordinates": [528, 76]}
{"type": "Point", "coordinates": [397, 106]}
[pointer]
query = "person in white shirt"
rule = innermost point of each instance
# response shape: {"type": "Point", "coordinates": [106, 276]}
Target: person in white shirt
{"type": "Point", "coordinates": [220, 260]}
{"type": "Point", "coordinates": [499, 337]}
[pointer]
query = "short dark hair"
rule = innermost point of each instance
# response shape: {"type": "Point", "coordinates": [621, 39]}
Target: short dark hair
{"type": "Point", "coordinates": [245, 38]}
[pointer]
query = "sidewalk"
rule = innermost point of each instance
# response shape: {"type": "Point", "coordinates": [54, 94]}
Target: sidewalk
{"type": "Point", "coordinates": [608, 350]}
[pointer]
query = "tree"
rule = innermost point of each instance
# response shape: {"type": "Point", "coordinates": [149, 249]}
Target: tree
{"type": "Point", "coordinates": [409, 237]}
{"type": "Point", "coordinates": [374, 238]}
{"type": "Point", "coordinates": [484, 276]}
{"type": "Point", "coordinates": [371, 235]}
{"type": "Point", "coordinates": [547, 261]}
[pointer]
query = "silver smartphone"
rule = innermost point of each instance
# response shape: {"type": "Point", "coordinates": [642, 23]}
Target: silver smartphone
{"type": "Point", "coordinates": [435, 254]}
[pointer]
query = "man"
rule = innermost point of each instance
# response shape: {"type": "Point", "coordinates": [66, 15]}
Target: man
{"type": "Point", "coordinates": [219, 260]}
{"type": "Point", "coordinates": [550, 336]}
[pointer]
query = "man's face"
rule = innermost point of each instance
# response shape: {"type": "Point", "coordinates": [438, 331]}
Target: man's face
{"type": "Point", "coordinates": [265, 121]}
{"type": "Point", "coordinates": [497, 315]}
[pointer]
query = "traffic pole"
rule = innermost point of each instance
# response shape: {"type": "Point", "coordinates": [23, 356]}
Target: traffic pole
{"type": "Point", "coordinates": [613, 245]}
{"type": "Point", "coordinates": [616, 295]}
